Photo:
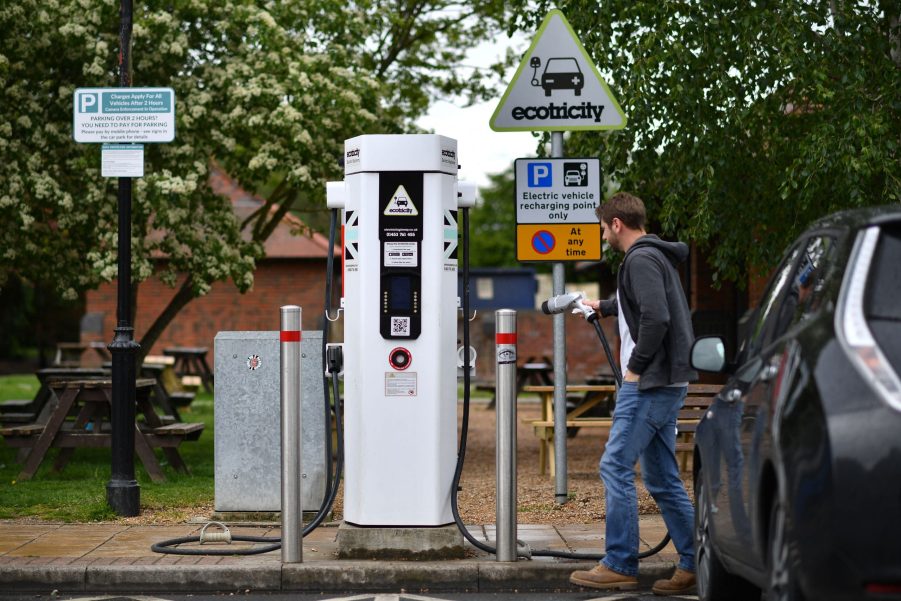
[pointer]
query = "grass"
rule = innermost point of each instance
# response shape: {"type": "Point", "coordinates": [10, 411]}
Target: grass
{"type": "Point", "coordinates": [78, 492]}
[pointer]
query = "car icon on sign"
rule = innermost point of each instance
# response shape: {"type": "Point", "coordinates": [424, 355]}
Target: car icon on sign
{"type": "Point", "coordinates": [572, 178]}
{"type": "Point", "coordinates": [402, 201]}
{"type": "Point", "coordinates": [562, 74]}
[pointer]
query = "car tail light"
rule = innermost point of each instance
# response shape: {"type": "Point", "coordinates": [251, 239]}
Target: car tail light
{"type": "Point", "coordinates": [883, 588]}
{"type": "Point", "coordinates": [851, 324]}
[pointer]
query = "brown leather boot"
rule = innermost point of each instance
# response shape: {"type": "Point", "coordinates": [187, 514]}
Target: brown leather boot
{"type": "Point", "coordinates": [681, 582]}
{"type": "Point", "coordinates": [603, 577]}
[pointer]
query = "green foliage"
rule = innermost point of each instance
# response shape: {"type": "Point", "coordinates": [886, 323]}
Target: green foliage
{"type": "Point", "coordinates": [267, 90]}
{"type": "Point", "coordinates": [492, 236]}
{"type": "Point", "coordinates": [78, 492]}
{"type": "Point", "coordinates": [746, 120]}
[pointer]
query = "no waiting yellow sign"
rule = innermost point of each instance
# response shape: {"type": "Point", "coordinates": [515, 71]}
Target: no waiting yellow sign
{"type": "Point", "coordinates": [558, 242]}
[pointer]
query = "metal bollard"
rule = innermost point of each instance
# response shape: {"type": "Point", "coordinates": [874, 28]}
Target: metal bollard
{"type": "Point", "coordinates": [292, 510]}
{"type": "Point", "coordinates": [505, 380]}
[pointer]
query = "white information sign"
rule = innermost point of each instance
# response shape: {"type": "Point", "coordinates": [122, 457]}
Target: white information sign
{"type": "Point", "coordinates": [122, 160]}
{"type": "Point", "coordinates": [401, 254]}
{"type": "Point", "coordinates": [105, 115]}
{"type": "Point", "coordinates": [557, 87]}
{"type": "Point", "coordinates": [400, 383]}
{"type": "Point", "coordinates": [557, 190]}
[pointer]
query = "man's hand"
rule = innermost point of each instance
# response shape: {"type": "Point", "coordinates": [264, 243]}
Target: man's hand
{"type": "Point", "coordinates": [595, 305]}
{"type": "Point", "coordinates": [631, 377]}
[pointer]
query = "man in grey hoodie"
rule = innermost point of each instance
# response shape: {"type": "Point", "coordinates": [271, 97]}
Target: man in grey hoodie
{"type": "Point", "coordinates": [656, 337]}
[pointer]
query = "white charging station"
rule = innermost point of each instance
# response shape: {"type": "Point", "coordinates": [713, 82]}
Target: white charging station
{"type": "Point", "coordinates": [399, 200]}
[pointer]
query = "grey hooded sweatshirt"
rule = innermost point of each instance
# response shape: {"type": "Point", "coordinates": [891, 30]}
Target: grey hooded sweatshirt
{"type": "Point", "coordinates": [656, 311]}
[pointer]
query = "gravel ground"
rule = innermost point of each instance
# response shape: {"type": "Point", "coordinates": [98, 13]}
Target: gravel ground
{"type": "Point", "coordinates": [535, 493]}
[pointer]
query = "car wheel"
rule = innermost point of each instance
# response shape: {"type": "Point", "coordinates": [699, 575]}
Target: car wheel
{"type": "Point", "coordinates": [782, 583]}
{"type": "Point", "coordinates": [714, 582]}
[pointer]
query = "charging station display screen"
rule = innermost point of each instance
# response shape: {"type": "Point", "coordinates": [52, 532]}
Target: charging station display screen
{"type": "Point", "coordinates": [400, 294]}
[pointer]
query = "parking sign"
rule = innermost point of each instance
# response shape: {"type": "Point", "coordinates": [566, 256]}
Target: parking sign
{"type": "Point", "coordinates": [555, 209]}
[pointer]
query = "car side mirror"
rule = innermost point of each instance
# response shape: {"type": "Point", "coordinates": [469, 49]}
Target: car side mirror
{"type": "Point", "coordinates": [709, 354]}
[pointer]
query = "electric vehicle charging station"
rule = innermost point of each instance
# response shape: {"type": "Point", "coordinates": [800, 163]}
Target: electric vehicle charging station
{"type": "Point", "coordinates": [400, 201]}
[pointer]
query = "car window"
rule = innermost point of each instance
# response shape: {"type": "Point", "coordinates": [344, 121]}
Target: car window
{"type": "Point", "coordinates": [884, 280]}
{"type": "Point", "coordinates": [562, 65]}
{"type": "Point", "coordinates": [767, 313]}
{"type": "Point", "coordinates": [807, 290]}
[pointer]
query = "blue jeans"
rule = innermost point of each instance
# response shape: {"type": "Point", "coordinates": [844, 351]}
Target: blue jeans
{"type": "Point", "coordinates": [644, 426]}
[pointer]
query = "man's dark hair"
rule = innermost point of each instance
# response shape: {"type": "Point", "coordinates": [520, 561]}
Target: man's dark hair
{"type": "Point", "coordinates": [626, 207]}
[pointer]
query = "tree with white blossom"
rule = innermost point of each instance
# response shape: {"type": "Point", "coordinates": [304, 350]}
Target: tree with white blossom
{"type": "Point", "coordinates": [267, 90]}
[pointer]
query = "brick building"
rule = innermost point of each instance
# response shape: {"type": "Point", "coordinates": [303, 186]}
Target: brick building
{"type": "Point", "coordinates": [292, 272]}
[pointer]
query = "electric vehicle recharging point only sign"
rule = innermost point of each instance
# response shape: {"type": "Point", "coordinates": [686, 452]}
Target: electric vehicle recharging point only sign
{"type": "Point", "coordinates": [555, 209]}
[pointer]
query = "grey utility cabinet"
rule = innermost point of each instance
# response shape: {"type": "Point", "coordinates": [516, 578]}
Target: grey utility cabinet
{"type": "Point", "coordinates": [247, 420]}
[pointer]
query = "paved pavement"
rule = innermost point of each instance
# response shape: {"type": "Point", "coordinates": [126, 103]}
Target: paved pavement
{"type": "Point", "coordinates": [117, 558]}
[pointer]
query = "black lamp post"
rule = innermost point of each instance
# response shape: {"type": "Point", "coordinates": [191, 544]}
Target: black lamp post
{"type": "Point", "coordinates": [123, 494]}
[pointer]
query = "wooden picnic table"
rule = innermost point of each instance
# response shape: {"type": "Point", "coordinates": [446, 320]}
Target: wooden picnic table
{"type": "Point", "coordinates": [592, 395]}
{"type": "Point", "coordinates": [21, 411]}
{"type": "Point", "coordinates": [696, 403]}
{"type": "Point", "coordinates": [191, 361]}
{"type": "Point", "coordinates": [68, 354]}
{"type": "Point", "coordinates": [532, 372]}
{"type": "Point", "coordinates": [90, 402]}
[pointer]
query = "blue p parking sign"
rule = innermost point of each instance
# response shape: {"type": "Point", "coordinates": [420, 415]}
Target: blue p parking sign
{"type": "Point", "coordinates": [540, 175]}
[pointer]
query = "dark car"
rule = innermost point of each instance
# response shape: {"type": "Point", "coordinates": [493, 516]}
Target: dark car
{"type": "Point", "coordinates": [797, 464]}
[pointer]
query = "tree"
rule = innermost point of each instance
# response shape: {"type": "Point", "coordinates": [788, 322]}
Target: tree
{"type": "Point", "coordinates": [493, 224]}
{"type": "Point", "coordinates": [746, 120]}
{"type": "Point", "coordinates": [266, 90]}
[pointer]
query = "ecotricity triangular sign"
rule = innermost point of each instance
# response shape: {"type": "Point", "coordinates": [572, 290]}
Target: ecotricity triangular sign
{"type": "Point", "coordinates": [401, 203]}
{"type": "Point", "coordinates": [557, 87]}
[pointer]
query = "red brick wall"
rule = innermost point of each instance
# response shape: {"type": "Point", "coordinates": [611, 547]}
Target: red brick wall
{"type": "Point", "coordinates": [276, 283]}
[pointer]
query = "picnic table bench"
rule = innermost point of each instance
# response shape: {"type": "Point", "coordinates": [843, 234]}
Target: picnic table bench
{"type": "Point", "coordinates": [696, 404]}
{"type": "Point", "coordinates": [36, 409]}
{"type": "Point", "coordinates": [169, 393]}
{"type": "Point", "coordinates": [191, 361]}
{"type": "Point", "coordinates": [68, 354]}
{"type": "Point", "coordinates": [90, 402]}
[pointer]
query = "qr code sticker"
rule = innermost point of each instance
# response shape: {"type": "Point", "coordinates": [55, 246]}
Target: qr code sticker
{"type": "Point", "coordinates": [400, 326]}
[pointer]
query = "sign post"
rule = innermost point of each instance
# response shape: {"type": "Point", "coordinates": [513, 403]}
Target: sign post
{"type": "Point", "coordinates": [122, 120]}
{"type": "Point", "coordinates": [122, 492]}
{"type": "Point", "coordinates": [557, 88]}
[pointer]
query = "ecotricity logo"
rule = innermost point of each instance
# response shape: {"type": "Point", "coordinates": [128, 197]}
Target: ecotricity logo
{"type": "Point", "coordinates": [448, 156]}
{"type": "Point", "coordinates": [563, 112]}
{"type": "Point", "coordinates": [352, 156]}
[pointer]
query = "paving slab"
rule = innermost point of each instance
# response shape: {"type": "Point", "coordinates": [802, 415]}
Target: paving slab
{"type": "Point", "coordinates": [116, 558]}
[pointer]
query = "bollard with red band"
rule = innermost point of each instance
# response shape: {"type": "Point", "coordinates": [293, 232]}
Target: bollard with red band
{"type": "Point", "coordinates": [292, 509]}
{"type": "Point", "coordinates": [505, 381]}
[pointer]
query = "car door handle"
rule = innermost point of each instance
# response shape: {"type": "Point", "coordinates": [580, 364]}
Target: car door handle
{"type": "Point", "coordinates": [732, 396]}
{"type": "Point", "coordinates": [768, 373]}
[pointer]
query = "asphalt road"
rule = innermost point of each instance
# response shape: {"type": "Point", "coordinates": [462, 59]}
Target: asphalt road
{"type": "Point", "coordinates": [251, 596]}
